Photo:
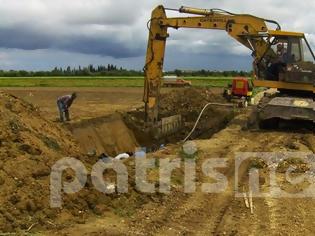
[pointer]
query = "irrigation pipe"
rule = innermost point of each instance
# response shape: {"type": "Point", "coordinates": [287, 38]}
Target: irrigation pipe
{"type": "Point", "coordinates": [202, 111]}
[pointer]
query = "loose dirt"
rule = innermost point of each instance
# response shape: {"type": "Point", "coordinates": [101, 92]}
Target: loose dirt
{"type": "Point", "coordinates": [31, 144]}
{"type": "Point", "coordinates": [222, 213]}
{"type": "Point", "coordinates": [124, 131]}
{"type": "Point", "coordinates": [90, 103]}
{"type": "Point", "coordinates": [188, 103]}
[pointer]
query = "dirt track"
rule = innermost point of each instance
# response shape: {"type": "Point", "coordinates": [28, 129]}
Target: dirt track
{"type": "Point", "coordinates": [219, 214]}
{"type": "Point", "coordinates": [214, 214]}
{"type": "Point", "coordinates": [223, 214]}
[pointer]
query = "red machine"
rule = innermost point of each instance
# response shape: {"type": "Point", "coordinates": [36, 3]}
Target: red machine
{"type": "Point", "coordinates": [240, 88]}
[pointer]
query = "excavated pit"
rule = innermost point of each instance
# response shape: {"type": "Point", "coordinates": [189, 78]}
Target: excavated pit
{"type": "Point", "coordinates": [188, 103]}
{"type": "Point", "coordinates": [107, 135]}
{"type": "Point", "coordinates": [124, 132]}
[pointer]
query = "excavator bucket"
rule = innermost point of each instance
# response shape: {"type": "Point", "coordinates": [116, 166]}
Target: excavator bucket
{"type": "Point", "coordinates": [165, 127]}
{"type": "Point", "coordinates": [170, 125]}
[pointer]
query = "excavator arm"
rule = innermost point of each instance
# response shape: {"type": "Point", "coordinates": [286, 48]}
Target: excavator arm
{"type": "Point", "coordinates": [249, 30]}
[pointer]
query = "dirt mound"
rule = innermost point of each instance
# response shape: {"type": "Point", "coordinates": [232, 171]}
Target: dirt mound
{"type": "Point", "coordinates": [189, 103]}
{"type": "Point", "coordinates": [29, 146]}
{"type": "Point", "coordinates": [107, 135]}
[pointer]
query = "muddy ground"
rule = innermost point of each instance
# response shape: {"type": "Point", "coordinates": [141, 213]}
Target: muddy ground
{"type": "Point", "coordinates": [176, 213]}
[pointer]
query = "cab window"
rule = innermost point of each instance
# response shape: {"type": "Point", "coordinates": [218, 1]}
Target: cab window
{"type": "Point", "coordinates": [307, 55]}
{"type": "Point", "coordinates": [295, 52]}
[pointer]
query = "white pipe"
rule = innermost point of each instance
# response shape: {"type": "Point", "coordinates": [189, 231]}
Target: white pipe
{"type": "Point", "coordinates": [205, 107]}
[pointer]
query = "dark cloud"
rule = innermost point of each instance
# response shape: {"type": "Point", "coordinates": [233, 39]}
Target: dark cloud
{"type": "Point", "coordinates": [28, 39]}
{"type": "Point", "coordinates": [96, 27]}
{"type": "Point", "coordinates": [116, 29]}
{"type": "Point", "coordinates": [100, 46]}
{"type": "Point", "coordinates": [22, 38]}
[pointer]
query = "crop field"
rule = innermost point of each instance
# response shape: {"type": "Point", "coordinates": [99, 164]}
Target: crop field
{"type": "Point", "coordinates": [101, 81]}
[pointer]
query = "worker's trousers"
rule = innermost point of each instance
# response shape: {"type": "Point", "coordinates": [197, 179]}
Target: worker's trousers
{"type": "Point", "coordinates": [63, 112]}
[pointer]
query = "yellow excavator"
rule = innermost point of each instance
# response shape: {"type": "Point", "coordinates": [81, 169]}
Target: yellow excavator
{"type": "Point", "coordinates": [282, 60]}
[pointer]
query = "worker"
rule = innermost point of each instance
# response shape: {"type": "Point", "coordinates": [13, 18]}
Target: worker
{"type": "Point", "coordinates": [279, 63]}
{"type": "Point", "coordinates": [282, 54]}
{"type": "Point", "coordinates": [64, 103]}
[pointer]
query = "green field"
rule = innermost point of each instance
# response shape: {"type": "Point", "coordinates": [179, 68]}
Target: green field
{"type": "Point", "coordinates": [100, 81]}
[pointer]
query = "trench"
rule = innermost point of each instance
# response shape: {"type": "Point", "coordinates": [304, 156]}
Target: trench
{"type": "Point", "coordinates": [210, 123]}
{"type": "Point", "coordinates": [108, 134]}
{"type": "Point", "coordinates": [116, 134]}
{"type": "Point", "coordinates": [124, 132]}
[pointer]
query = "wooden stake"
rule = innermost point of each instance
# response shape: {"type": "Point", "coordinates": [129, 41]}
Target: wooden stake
{"type": "Point", "coordinates": [251, 202]}
{"type": "Point", "coordinates": [245, 200]}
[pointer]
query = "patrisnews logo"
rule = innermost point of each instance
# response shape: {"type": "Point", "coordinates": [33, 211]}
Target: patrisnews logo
{"type": "Point", "coordinates": [262, 174]}
{"type": "Point", "coordinates": [276, 175]}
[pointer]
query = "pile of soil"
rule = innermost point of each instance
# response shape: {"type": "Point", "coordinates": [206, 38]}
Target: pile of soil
{"type": "Point", "coordinates": [29, 146]}
{"type": "Point", "coordinates": [188, 103]}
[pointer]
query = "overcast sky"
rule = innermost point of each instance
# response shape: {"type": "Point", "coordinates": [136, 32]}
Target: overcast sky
{"type": "Point", "coordinates": [42, 34]}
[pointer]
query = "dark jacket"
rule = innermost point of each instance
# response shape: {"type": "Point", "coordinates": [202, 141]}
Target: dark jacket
{"type": "Point", "coordinates": [66, 101]}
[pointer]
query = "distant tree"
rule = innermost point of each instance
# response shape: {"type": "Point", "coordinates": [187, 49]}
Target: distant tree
{"type": "Point", "coordinates": [178, 72]}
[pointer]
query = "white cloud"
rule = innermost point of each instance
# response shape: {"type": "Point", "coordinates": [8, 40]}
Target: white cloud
{"type": "Point", "coordinates": [4, 56]}
{"type": "Point", "coordinates": [117, 28]}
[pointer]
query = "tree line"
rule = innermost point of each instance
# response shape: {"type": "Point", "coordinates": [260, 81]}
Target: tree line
{"type": "Point", "coordinates": [91, 70]}
{"type": "Point", "coordinates": [113, 70]}
{"type": "Point", "coordinates": [211, 73]}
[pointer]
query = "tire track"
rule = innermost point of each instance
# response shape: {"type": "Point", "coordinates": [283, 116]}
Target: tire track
{"type": "Point", "coordinates": [268, 209]}
{"type": "Point", "coordinates": [201, 213]}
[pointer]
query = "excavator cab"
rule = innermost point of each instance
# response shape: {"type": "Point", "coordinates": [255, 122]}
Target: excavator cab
{"type": "Point", "coordinates": [289, 66]}
{"type": "Point", "coordinates": [288, 59]}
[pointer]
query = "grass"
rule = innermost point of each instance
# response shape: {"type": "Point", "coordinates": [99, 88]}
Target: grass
{"type": "Point", "coordinates": [89, 81]}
